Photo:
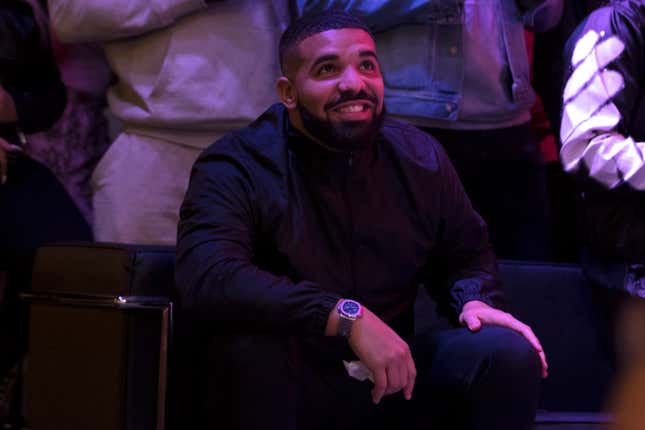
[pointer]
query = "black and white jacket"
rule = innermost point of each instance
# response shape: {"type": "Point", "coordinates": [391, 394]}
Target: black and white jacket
{"type": "Point", "coordinates": [603, 116]}
{"type": "Point", "coordinates": [603, 134]}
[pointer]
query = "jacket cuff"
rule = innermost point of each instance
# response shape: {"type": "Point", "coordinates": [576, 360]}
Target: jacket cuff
{"type": "Point", "coordinates": [468, 290]}
{"type": "Point", "coordinates": [321, 313]}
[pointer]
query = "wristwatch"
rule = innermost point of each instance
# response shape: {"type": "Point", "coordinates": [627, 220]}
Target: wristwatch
{"type": "Point", "coordinates": [348, 312]}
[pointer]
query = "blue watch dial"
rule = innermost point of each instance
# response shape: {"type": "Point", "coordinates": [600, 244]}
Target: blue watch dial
{"type": "Point", "coordinates": [350, 308]}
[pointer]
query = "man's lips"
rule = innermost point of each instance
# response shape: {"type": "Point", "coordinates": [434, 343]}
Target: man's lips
{"type": "Point", "coordinates": [361, 98]}
{"type": "Point", "coordinates": [353, 106]}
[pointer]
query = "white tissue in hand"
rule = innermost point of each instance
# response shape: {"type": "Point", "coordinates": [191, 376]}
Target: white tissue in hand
{"type": "Point", "coordinates": [358, 370]}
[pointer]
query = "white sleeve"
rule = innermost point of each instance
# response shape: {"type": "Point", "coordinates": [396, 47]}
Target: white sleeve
{"type": "Point", "coordinates": [590, 117]}
{"type": "Point", "coordinates": [104, 20]}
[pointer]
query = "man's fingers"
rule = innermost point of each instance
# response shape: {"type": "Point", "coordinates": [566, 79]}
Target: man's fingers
{"type": "Point", "coordinates": [527, 332]}
{"type": "Point", "coordinates": [380, 385]}
{"type": "Point", "coordinates": [509, 321]}
{"type": "Point", "coordinates": [531, 337]}
{"type": "Point", "coordinates": [412, 376]}
{"type": "Point", "coordinates": [472, 322]}
{"type": "Point", "coordinates": [395, 378]}
{"type": "Point", "coordinates": [5, 148]}
{"type": "Point", "coordinates": [545, 365]}
{"type": "Point", "coordinates": [487, 315]}
{"type": "Point", "coordinates": [533, 340]}
{"type": "Point", "coordinates": [9, 147]}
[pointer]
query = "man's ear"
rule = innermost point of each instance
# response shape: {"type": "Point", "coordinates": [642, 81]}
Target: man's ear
{"type": "Point", "coordinates": [287, 92]}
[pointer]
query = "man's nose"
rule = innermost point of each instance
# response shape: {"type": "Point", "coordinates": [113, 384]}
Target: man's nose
{"type": "Point", "coordinates": [351, 80]}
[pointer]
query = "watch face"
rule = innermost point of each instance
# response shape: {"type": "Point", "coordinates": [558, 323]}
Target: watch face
{"type": "Point", "coordinates": [350, 307]}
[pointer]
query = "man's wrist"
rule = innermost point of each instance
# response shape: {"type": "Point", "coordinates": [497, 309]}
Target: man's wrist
{"type": "Point", "coordinates": [342, 317]}
{"type": "Point", "coordinates": [349, 311]}
{"type": "Point", "coordinates": [470, 304]}
{"type": "Point", "coordinates": [332, 321]}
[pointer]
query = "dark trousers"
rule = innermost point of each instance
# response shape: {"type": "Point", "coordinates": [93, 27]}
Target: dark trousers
{"type": "Point", "coordinates": [484, 380]}
{"type": "Point", "coordinates": [504, 174]}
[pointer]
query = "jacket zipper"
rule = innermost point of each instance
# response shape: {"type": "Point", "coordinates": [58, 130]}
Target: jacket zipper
{"type": "Point", "coordinates": [352, 253]}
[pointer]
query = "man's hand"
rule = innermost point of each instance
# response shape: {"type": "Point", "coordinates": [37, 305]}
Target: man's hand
{"type": "Point", "coordinates": [5, 149]}
{"type": "Point", "coordinates": [474, 314]}
{"type": "Point", "coordinates": [385, 354]}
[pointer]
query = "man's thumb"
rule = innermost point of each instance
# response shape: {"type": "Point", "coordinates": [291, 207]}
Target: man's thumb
{"type": "Point", "coordinates": [472, 322]}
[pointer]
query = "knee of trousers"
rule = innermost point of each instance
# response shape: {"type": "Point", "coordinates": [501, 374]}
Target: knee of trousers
{"type": "Point", "coordinates": [508, 352]}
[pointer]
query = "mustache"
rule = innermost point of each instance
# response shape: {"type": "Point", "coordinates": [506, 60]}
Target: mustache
{"type": "Point", "coordinates": [362, 95]}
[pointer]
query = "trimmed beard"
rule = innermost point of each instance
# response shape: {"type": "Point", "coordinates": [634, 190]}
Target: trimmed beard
{"type": "Point", "coordinates": [345, 136]}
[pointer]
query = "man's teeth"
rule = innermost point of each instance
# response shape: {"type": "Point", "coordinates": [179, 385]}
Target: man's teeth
{"type": "Point", "coordinates": [351, 108]}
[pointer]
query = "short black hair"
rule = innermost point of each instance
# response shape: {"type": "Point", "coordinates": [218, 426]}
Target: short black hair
{"type": "Point", "coordinates": [310, 25]}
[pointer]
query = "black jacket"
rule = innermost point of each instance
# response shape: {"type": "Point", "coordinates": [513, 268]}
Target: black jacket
{"type": "Point", "coordinates": [613, 224]}
{"type": "Point", "coordinates": [274, 229]}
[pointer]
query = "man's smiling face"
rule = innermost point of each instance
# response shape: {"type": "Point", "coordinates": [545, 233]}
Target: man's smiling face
{"type": "Point", "coordinates": [335, 88]}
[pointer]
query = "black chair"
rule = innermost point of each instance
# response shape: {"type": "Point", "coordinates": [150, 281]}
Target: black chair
{"type": "Point", "coordinates": [100, 334]}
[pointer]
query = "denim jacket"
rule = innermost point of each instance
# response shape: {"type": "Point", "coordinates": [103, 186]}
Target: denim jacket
{"type": "Point", "coordinates": [420, 48]}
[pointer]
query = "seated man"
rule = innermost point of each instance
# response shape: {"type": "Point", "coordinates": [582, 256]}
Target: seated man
{"type": "Point", "coordinates": [303, 238]}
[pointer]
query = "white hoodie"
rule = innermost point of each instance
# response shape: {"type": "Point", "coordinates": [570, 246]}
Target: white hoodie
{"type": "Point", "coordinates": [187, 69]}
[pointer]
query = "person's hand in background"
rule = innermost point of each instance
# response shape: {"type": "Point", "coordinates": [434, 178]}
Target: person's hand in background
{"type": "Point", "coordinates": [7, 107]}
{"type": "Point", "coordinates": [5, 150]}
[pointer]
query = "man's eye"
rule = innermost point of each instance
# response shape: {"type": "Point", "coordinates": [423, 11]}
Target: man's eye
{"type": "Point", "coordinates": [326, 68]}
{"type": "Point", "coordinates": [367, 65]}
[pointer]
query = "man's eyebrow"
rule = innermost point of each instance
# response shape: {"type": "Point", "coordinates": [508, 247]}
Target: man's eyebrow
{"type": "Point", "coordinates": [368, 53]}
{"type": "Point", "coordinates": [324, 58]}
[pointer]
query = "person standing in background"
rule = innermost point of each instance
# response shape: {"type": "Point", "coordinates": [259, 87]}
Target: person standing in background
{"type": "Point", "coordinates": [187, 73]}
{"type": "Point", "coordinates": [34, 206]}
{"type": "Point", "coordinates": [603, 142]}
{"type": "Point", "coordinates": [73, 146]}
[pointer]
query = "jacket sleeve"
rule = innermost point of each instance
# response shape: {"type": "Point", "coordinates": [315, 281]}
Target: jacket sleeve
{"type": "Point", "coordinates": [541, 15]}
{"type": "Point", "coordinates": [105, 20]}
{"type": "Point", "coordinates": [603, 85]}
{"type": "Point", "coordinates": [216, 274]}
{"type": "Point", "coordinates": [381, 15]}
{"type": "Point", "coordinates": [463, 267]}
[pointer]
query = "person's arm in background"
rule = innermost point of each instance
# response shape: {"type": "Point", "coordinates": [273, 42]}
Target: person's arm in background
{"type": "Point", "coordinates": [105, 20]}
{"type": "Point", "coordinates": [383, 14]}
{"type": "Point", "coordinates": [8, 111]}
{"type": "Point", "coordinates": [540, 15]}
{"type": "Point", "coordinates": [603, 86]}
{"type": "Point", "coordinates": [32, 95]}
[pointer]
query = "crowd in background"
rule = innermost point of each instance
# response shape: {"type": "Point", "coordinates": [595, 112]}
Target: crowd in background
{"type": "Point", "coordinates": [174, 76]}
